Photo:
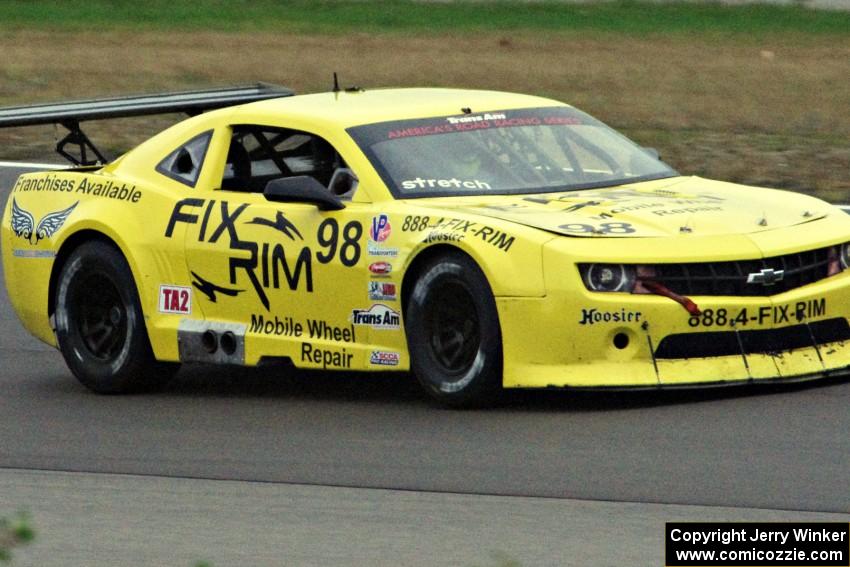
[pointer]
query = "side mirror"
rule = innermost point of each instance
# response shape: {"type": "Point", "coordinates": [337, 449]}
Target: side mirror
{"type": "Point", "coordinates": [343, 182]}
{"type": "Point", "coordinates": [302, 189]}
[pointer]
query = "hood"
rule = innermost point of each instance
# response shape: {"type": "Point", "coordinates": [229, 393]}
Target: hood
{"type": "Point", "coordinates": [664, 207]}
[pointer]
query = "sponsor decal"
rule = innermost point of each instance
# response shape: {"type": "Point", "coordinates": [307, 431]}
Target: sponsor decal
{"type": "Point", "coordinates": [475, 118]}
{"type": "Point", "coordinates": [685, 210]}
{"type": "Point", "coordinates": [382, 291]}
{"type": "Point", "coordinates": [312, 355]}
{"type": "Point", "coordinates": [443, 237]}
{"type": "Point", "coordinates": [575, 207]}
{"type": "Point", "coordinates": [380, 268]}
{"type": "Point", "coordinates": [49, 182]}
{"type": "Point", "coordinates": [424, 130]}
{"type": "Point", "coordinates": [378, 316]}
{"type": "Point", "coordinates": [280, 224]}
{"type": "Point", "coordinates": [18, 253]}
{"type": "Point", "coordinates": [23, 223]}
{"type": "Point", "coordinates": [327, 357]}
{"type": "Point", "coordinates": [175, 299]}
{"type": "Point", "coordinates": [107, 189]}
{"type": "Point", "coordinates": [608, 203]}
{"type": "Point", "coordinates": [288, 327]}
{"type": "Point", "coordinates": [442, 226]}
{"type": "Point", "coordinates": [380, 229]}
{"type": "Point", "coordinates": [384, 358]}
{"type": "Point", "coordinates": [110, 190]}
{"type": "Point", "coordinates": [593, 316]}
{"type": "Point", "coordinates": [620, 195]}
{"type": "Point", "coordinates": [266, 264]}
{"type": "Point", "coordinates": [453, 183]}
{"type": "Point", "coordinates": [467, 122]}
{"type": "Point", "coordinates": [772, 315]}
{"type": "Point", "coordinates": [210, 289]}
{"type": "Point", "coordinates": [375, 250]}
{"type": "Point", "coordinates": [327, 332]}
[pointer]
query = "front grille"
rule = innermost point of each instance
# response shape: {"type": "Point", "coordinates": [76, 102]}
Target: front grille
{"type": "Point", "coordinates": [725, 343]}
{"type": "Point", "coordinates": [730, 278]}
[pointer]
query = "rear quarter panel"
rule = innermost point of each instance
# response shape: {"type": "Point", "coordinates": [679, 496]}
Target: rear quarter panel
{"type": "Point", "coordinates": [127, 213]}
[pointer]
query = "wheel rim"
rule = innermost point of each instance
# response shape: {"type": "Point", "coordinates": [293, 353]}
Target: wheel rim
{"type": "Point", "coordinates": [453, 330]}
{"type": "Point", "coordinates": [101, 316]}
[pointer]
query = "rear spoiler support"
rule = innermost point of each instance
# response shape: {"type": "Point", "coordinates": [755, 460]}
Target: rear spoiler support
{"type": "Point", "coordinates": [77, 137]}
{"type": "Point", "coordinates": [70, 114]}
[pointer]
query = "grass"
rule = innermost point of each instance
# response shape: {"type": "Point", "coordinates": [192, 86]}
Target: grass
{"type": "Point", "coordinates": [400, 17]}
{"type": "Point", "coordinates": [768, 107]}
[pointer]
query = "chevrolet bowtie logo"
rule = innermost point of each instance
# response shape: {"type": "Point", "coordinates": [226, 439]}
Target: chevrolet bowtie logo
{"type": "Point", "coordinates": [767, 276]}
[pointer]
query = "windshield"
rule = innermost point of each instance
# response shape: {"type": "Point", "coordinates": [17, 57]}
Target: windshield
{"type": "Point", "coordinates": [531, 150]}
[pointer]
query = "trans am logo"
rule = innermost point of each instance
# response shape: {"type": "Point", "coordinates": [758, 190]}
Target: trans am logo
{"type": "Point", "coordinates": [378, 316]}
{"type": "Point", "coordinates": [23, 223]}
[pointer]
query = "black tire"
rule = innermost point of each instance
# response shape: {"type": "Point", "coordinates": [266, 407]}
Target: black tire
{"type": "Point", "coordinates": [453, 332]}
{"type": "Point", "coordinates": [100, 326]}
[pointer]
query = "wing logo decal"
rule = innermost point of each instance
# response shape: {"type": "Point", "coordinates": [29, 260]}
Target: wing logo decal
{"type": "Point", "coordinates": [23, 223]}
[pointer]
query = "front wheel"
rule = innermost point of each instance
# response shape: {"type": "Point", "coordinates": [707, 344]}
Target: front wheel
{"type": "Point", "coordinates": [453, 332]}
{"type": "Point", "coordinates": [100, 326]}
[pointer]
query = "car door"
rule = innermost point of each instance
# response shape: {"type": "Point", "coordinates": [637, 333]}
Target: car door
{"type": "Point", "coordinates": [282, 276]}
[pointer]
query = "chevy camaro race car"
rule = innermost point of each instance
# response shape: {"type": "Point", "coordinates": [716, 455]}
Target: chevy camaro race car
{"type": "Point", "coordinates": [483, 240]}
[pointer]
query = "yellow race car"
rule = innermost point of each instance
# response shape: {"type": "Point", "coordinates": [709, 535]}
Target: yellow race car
{"type": "Point", "coordinates": [483, 240]}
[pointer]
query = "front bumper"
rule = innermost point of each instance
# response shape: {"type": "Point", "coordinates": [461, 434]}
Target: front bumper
{"type": "Point", "coordinates": [581, 339]}
{"type": "Point", "coordinates": [544, 348]}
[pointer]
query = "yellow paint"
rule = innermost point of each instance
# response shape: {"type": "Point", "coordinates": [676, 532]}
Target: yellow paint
{"type": "Point", "coordinates": [526, 253]}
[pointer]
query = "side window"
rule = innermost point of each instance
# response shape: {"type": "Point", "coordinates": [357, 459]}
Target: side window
{"type": "Point", "coordinates": [259, 154]}
{"type": "Point", "coordinates": [184, 163]}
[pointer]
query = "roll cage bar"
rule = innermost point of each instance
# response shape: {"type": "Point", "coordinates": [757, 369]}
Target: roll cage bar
{"type": "Point", "coordinates": [70, 114]}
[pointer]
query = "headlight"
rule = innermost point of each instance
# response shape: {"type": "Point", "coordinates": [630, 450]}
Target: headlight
{"type": "Point", "coordinates": [844, 255]}
{"type": "Point", "coordinates": [839, 258]}
{"type": "Point", "coordinates": [608, 277]}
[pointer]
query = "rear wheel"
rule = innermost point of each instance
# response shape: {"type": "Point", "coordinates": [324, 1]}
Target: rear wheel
{"type": "Point", "coordinates": [100, 326]}
{"type": "Point", "coordinates": [453, 332]}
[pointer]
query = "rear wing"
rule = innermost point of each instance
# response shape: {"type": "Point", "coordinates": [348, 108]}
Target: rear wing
{"type": "Point", "coordinates": [70, 114]}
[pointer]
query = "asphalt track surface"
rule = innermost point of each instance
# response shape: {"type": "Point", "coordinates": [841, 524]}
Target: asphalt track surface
{"type": "Point", "coordinates": [769, 447]}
